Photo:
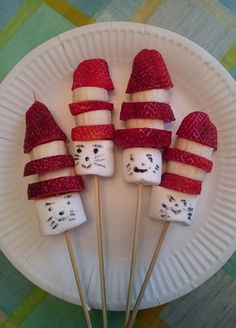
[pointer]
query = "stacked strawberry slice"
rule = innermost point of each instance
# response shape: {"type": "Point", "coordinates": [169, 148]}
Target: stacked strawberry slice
{"type": "Point", "coordinates": [45, 142]}
{"type": "Point", "coordinates": [94, 130]}
{"type": "Point", "coordinates": [189, 160]}
{"type": "Point", "coordinates": [144, 117]}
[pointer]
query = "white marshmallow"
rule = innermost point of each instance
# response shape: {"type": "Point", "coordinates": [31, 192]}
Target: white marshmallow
{"type": "Point", "coordinates": [60, 213]}
{"type": "Point", "coordinates": [148, 123]}
{"type": "Point", "coordinates": [52, 148]}
{"type": "Point", "coordinates": [89, 93]}
{"type": "Point", "coordinates": [171, 205]}
{"type": "Point", "coordinates": [94, 117]}
{"type": "Point", "coordinates": [94, 157]}
{"type": "Point", "coordinates": [142, 165]}
{"type": "Point", "coordinates": [159, 95]}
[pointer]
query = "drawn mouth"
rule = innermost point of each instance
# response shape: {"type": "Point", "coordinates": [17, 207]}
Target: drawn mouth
{"type": "Point", "coordinates": [137, 170]}
{"type": "Point", "coordinates": [86, 166]}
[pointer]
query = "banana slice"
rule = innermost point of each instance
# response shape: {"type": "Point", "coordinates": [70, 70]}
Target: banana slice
{"type": "Point", "coordinates": [185, 170]}
{"type": "Point", "coordinates": [193, 147]}
{"type": "Point", "coordinates": [49, 149]}
{"type": "Point", "coordinates": [159, 95]}
{"type": "Point", "coordinates": [89, 93]}
{"type": "Point", "coordinates": [148, 123]}
{"type": "Point", "coordinates": [95, 117]}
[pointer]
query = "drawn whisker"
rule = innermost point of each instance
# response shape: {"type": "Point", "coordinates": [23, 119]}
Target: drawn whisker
{"type": "Point", "coordinates": [98, 164]}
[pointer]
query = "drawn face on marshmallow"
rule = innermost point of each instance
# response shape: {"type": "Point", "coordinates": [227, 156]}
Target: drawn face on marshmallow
{"type": "Point", "coordinates": [94, 157]}
{"type": "Point", "coordinates": [175, 207]}
{"type": "Point", "coordinates": [60, 213]}
{"type": "Point", "coordinates": [142, 165]}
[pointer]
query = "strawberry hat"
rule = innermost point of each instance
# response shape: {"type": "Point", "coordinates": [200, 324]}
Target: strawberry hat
{"type": "Point", "coordinates": [92, 73]}
{"type": "Point", "coordinates": [149, 71]}
{"type": "Point", "coordinates": [40, 127]}
{"type": "Point", "coordinates": [197, 127]}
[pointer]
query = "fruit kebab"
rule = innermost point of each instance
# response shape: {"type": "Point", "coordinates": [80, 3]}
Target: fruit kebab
{"type": "Point", "coordinates": [177, 196]}
{"type": "Point", "coordinates": [144, 135]}
{"type": "Point", "coordinates": [93, 137]}
{"type": "Point", "coordinates": [56, 193]}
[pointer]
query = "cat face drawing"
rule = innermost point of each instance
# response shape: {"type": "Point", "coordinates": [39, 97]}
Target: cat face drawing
{"type": "Point", "coordinates": [60, 213]}
{"type": "Point", "coordinates": [176, 209]}
{"type": "Point", "coordinates": [94, 157]}
{"type": "Point", "coordinates": [142, 165]}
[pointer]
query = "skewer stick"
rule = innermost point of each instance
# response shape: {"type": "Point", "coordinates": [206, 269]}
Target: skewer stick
{"type": "Point", "coordinates": [134, 250]}
{"type": "Point", "coordinates": [77, 279]}
{"type": "Point", "coordinates": [100, 250]}
{"type": "Point", "coordinates": [148, 274]}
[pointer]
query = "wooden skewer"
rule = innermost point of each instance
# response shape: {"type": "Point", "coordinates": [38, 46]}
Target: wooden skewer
{"type": "Point", "coordinates": [134, 250]}
{"type": "Point", "coordinates": [148, 274]}
{"type": "Point", "coordinates": [100, 250]}
{"type": "Point", "coordinates": [77, 279]}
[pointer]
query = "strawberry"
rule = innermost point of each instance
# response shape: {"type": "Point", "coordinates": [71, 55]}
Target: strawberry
{"type": "Point", "coordinates": [142, 137]}
{"type": "Point", "coordinates": [93, 132]}
{"type": "Point", "coordinates": [180, 183]}
{"type": "Point", "coordinates": [52, 187]}
{"type": "Point", "coordinates": [149, 72]}
{"type": "Point", "coordinates": [178, 155]}
{"type": "Point", "coordinates": [147, 110]}
{"type": "Point", "coordinates": [92, 73]}
{"type": "Point", "coordinates": [47, 164]}
{"type": "Point", "coordinates": [40, 127]}
{"type": "Point", "coordinates": [197, 127]}
{"type": "Point", "coordinates": [87, 106]}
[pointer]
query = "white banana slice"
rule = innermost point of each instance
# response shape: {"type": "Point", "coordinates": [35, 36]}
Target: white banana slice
{"type": "Point", "coordinates": [60, 213]}
{"type": "Point", "coordinates": [142, 165]}
{"type": "Point", "coordinates": [49, 149]}
{"type": "Point", "coordinates": [185, 170]}
{"type": "Point", "coordinates": [159, 95]}
{"type": "Point", "coordinates": [171, 205]}
{"type": "Point", "coordinates": [90, 93]}
{"type": "Point", "coordinates": [95, 117]}
{"type": "Point", "coordinates": [194, 147]}
{"type": "Point", "coordinates": [66, 172]}
{"type": "Point", "coordinates": [148, 123]}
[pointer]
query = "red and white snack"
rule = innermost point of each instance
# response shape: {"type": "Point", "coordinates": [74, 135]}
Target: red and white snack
{"type": "Point", "coordinates": [94, 131]}
{"type": "Point", "coordinates": [56, 193]}
{"type": "Point", "coordinates": [144, 119]}
{"type": "Point", "coordinates": [177, 196]}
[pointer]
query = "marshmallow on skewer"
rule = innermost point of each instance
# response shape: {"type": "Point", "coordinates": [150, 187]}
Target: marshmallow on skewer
{"type": "Point", "coordinates": [56, 193]}
{"type": "Point", "coordinates": [177, 196]}
{"type": "Point", "coordinates": [93, 134]}
{"type": "Point", "coordinates": [144, 119]}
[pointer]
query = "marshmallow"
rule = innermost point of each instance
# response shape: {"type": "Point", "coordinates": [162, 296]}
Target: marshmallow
{"type": "Point", "coordinates": [171, 205]}
{"type": "Point", "coordinates": [60, 213]}
{"type": "Point", "coordinates": [142, 165]}
{"type": "Point", "coordinates": [94, 157]}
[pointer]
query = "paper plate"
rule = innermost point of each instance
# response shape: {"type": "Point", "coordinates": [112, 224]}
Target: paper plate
{"type": "Point", "coordinates": [189, 255]}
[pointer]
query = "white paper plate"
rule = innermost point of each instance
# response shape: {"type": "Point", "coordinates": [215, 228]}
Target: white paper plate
{"type": "Point", "coordinates": [190, 255]}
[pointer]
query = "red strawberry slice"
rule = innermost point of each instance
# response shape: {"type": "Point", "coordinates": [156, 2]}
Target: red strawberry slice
{"type": "Point", "coordinates": [87, 106]}
{"type": "Point", "coordinates": [197, 127]}
{"type": "Point", "coordinates": [180, 183]}
{"type": "Point", "coordinates": [92, 73]}
{"type": "Point", "coordinates": [147, 110]}
{"type": "Point", "coordinates": [52, 187]}
{"type": "Point", "coordinates": [41, 127]}
{"type": "Point", "coordinates": [48, 164]}
{"type": "Point", "coordinates": [142, 137]}
{"type": "Point", "coordinates": [93, 132]}
{"type": "Point", "coordinates": [149, 72]}
{"type": "Point", "coordinates": [185, 157]}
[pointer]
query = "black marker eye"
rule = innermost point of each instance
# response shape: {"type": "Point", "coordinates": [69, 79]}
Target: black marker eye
{"type": "Point", "coordinates": [149, 156]}
{"type": "Point", "coordinates": [95, 150]}
{"type": "Point", "coordinates": [131, 158]}
{"type": "Point", "coordinates": [50, 209]}
{"type": "Point", "coordinates": [79, 150]}
{"type": "Point", "coordinates": [68, 203]}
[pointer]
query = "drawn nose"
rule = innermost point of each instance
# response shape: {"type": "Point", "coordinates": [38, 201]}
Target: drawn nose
{"type": "Point", "coordinates": [86, 158]}
{"type": "Point", "coordinates": [143, 164]}
{"type": "Point", "coordinates": [61, 212]}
